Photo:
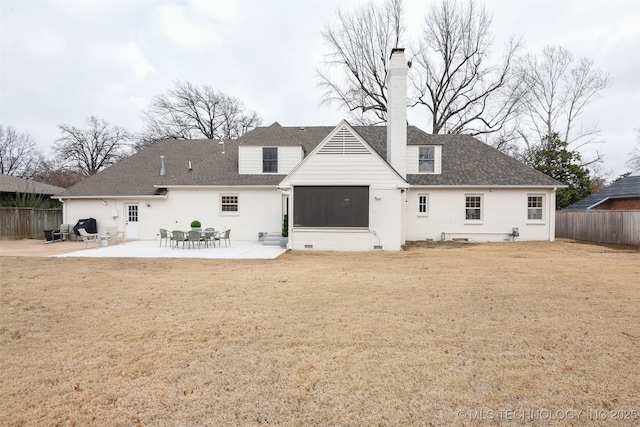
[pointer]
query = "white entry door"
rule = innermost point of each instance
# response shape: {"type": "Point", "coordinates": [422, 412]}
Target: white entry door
{"type": "Point", "coordinates": [132, 221]}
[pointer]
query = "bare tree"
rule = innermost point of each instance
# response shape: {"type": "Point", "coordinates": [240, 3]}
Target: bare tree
{"type": "Point", "coordinates": [52, 174]}
{"type": "Point", "coordinates": [19, 153]}
{"type": "Point", "coordinates": [355, 70]}
{"type": "Point", "coordinates": [92, 149]}
{"type": "Point", "coordinates": [600, 176]}
{"type": "Point", "coordinates": [454, 78]}
{"type": "Point", "coordinates": [558, 91]}
{"type": "Point", "coordinates": [634, 155]}
{"type": "Point", "coordinates": [191, 112]}
{"type": "Point", "coordinates": [450, 71]}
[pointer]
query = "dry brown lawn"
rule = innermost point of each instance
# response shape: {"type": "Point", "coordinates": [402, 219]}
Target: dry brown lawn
{"type": "Point", "coordinates": [452, 334]}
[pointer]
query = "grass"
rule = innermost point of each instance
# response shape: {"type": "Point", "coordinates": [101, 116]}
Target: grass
{"type": "Point", "coordinates": [409, 338]}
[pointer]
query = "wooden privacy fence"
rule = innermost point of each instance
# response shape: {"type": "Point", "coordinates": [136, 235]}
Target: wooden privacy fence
{"type": "Point", "coordinates": [616, 227]}
{"type": "Point", "coordinates": [28, 223]}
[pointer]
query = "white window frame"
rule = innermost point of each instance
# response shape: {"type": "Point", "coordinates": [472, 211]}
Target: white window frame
{"type": "Point", "coordinates": [276, 160]}
{"type": "Point", "coordinates": [432, 159]}
{"type": "Point", "coordinates": [423, 201]}
{"type": "Point", "coordinates": [224, 202]}
{"type": "Point", "coordinates": [541, 208]}
{"type": "Point", "coordinates": [481, 208]}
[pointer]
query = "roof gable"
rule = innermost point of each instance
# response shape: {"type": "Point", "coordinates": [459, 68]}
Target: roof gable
{"type": "Point", "coordinates": [336, 156]}
{"type": "Point", "coordinates": [343, 141]}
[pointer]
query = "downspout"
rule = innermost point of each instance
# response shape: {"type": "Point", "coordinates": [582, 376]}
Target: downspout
{"type": "Point", "coordinates": [552, 216]}
{"type": "Point", "coordinates": [404, 196]}
{"type": "Point", "coordinates": [65, 212]}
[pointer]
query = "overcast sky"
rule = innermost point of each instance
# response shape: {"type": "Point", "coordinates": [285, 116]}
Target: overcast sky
{"type": "Point", "coordinates": [64, 60]}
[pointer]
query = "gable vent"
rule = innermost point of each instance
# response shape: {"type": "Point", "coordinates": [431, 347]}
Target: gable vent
{"type": "Point", "coordinates": [343, 142]}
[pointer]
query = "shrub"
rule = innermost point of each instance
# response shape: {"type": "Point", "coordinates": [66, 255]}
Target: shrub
{"type": "Point", "coordinates": [195, 224]}
{"type": "Point", "coordinates": [285, 226]}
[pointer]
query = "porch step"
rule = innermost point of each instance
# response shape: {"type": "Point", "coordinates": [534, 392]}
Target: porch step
{"type": "Point", "coordinates": [272, 238]}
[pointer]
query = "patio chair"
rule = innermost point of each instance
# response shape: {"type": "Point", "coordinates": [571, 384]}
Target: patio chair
{"type": "Point", "coordinates": [88, 237]}
{"type": "Point", "coordinates": [194, 237]}
{"type": "Point", "coordinates": [61, 234]}
{"type": "Point", "coordinates": [209, 237]}
{"type": "Point", "coordinates": [53, 236]}
{"type": "Point", "coordinates": [164, 235]}
{"type": "Point", "coordinates": [224, 235]}
{"type": "Point", "coordinates": [178, 236]}
{"type": "Point", "coordinates": [114, 235]}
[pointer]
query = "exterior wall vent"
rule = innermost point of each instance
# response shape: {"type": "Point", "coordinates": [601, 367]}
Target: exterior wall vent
{"type": "Point", "coordinates": [308, 246]}
{"type": "Point", "coordinates": [377, 247]}
{"type": "Point", "coordinates": [163, 169]}
{"type": "Point", "coordinates": [344, 142]}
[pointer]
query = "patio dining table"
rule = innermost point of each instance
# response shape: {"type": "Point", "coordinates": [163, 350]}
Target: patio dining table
{"type": "Point", "coordinates": [202, 237]}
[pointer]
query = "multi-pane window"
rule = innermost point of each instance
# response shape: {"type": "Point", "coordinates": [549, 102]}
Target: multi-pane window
{"type": "Point", "coordinates": [133, 213]}
{"type": "Point", "coordinates": [534, 207]}
{"type": "Point", "coordinates": [331, 206]}
{"type": "Point", "coordinates": [270, 160]}
{"type": "Point", "coordinates": [473, 208]}
{"type": "Point", "coordinates": [228, 203]}
{"type": "Point", "coordinates": [423, 204]}
{"type": "Point", "coordinates": [426, 159]}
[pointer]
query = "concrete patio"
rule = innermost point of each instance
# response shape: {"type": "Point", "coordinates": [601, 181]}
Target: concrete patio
{"type": "Point", "coordinates": [136, 249]}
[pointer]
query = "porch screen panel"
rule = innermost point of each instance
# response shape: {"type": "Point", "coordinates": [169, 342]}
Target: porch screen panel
{"type": "Point", "coordinates": [331, 207]}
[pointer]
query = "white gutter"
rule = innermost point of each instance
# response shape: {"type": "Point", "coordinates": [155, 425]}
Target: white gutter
{"type": "Point", "coordinates": [489, 186]}
{"type": "Point", "coordinates": [216, 186]}
{"type": "Point", "coordinates": [150, 197]}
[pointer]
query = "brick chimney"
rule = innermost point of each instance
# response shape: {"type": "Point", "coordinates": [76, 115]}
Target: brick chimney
{"type": "Point", "coordinates": [397, 111]}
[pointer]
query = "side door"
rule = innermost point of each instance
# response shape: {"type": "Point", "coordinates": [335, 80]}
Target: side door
{"type": "Point", "coordinates": [132, 221]}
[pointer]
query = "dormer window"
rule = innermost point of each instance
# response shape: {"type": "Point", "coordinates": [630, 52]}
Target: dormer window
{"type": "Point", "coordinates": [270, 159]}
{"type": "Point", "coordinates": [426, 159]}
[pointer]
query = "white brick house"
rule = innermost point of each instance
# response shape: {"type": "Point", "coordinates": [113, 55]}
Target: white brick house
{"type": "Point", "coordinates": [343, 187]}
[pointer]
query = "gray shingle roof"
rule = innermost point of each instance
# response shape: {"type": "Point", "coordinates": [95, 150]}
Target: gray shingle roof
{"type": "Point", "coordinates": [626, 187]}
{"type": "Point", "coordinates": [139, 175]}
{"type": "Point", "coordinates": [12, 184]}
{"type": "Point", "coordinates": [466, 161]}
{"type": "Point", "coordinates": [274, 135]}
